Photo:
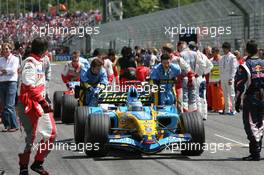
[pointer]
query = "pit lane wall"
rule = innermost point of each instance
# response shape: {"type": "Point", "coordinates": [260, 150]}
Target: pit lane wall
{"type": "Point", "coordinates": [150, 30]}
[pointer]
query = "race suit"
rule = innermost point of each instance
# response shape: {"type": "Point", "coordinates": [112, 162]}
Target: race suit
{"type": "Point", "coordinates": [91, 85]}
{"type": "Point", "coordinates": [31, 113]}
{"type": "Point", "coordinates": [228, 67]}
{"type": "Point", "coordinates": [71, 72]}
{"type": "Point", "coordinates": [166, 94]}
{"type": "Point", "coordinates": [249, 88]}
{"type": "Point", "coordinates": [200, 83]}
{"type": "Point", "coordinates": [189, 96]}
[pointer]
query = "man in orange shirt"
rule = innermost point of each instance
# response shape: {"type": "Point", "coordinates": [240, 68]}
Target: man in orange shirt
{"type": "Point", "coordinates": [214, 82]}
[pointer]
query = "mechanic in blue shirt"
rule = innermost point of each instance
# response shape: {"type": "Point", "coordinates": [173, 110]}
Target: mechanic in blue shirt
{"type": "Point", "coordinates": [165, 71]}
{"type": "Point", "coordinates": [93, 80]}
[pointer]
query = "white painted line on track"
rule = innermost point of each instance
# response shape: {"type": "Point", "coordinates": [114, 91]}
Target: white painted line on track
{"type": "Point", "coordinates": [231, 140]}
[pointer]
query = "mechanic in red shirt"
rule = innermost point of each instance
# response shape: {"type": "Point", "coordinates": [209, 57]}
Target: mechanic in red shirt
{"type": "Point", "coordinates": [142, 72]}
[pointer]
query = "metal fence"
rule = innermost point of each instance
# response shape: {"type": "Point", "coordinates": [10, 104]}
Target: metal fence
{"type": "Point", "coordinates": [150, 30]}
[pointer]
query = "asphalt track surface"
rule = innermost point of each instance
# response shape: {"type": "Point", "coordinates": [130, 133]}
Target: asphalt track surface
{"type": "Point", "coordinates": [219, 130]}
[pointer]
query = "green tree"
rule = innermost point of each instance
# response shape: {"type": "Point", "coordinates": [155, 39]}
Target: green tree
{"type": "Point", "coordinates": [138, 7]}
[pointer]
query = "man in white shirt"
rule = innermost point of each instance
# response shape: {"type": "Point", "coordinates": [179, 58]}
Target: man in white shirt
{"type": "Point", "coordinates": [228, 67]}
{"type": "Point", "coordinates": [9, 65]}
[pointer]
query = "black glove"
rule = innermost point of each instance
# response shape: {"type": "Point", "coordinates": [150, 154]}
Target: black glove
{"type": "Point", "coordinates": [45, 106]}
{"type": "Point", "coordinates": [238, 105]}
{"type": "Point", "coordinates": [47, 99]}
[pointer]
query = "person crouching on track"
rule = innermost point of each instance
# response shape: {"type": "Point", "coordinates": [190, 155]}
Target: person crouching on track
{"type": "Point", "coordinates": [165, 71]}
{"type": "Point", "coordinates": [249, 88]}
{"type": "Point", "coordinates": [92, 82]}
{"type": "Point", "coordinates": [34, 111]}
{"type": "Point", "coordinates": [71, 71]}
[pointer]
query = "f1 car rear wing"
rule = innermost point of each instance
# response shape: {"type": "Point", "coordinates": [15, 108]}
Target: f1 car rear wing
{"type": "Point", "coordinates": [121, 98]}
{"type": "Point", "coordinates": [118, 95]}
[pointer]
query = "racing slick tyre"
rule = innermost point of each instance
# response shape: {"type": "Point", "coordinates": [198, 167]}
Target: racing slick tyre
{"type": "Point", "coordinates": [81, 113]}
{"type": "Point", "coordinates": [97, 128]}
{"type": "Point", "coordinates": [68, 107]}
{"type": "Point", "coordinates": [192, 123]}
{"type": "Point", "coordinates": [57, 100]}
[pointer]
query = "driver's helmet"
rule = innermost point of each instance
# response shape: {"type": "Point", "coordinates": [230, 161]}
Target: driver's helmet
{"type": "Point", "coordinates": [133, 102]}
{"type": "Point", "coordinates": [135, 105]}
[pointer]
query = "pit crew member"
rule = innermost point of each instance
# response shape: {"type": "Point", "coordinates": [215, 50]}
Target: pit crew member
{"type": "Point", "coordinates": [165, 71]}
{"type": "Point", "coordinates": [93, 80]}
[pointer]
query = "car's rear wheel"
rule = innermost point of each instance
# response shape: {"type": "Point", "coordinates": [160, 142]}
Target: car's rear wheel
{"type": "Point", "coordinates": [97, 128]}
{"type": "Point", "coordinates": [192, 123]}
{"type": "Point", "coordinates": [68, 107]}
{"type": "Point", "coordinates": [81, 113]}
{"type": "Point", "coordinates": [57, 100]}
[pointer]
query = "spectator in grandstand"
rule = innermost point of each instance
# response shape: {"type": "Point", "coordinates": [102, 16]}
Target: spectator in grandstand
{"type": "Point", "coordinates": [112, 56]}
{"type": "Point", "coordinates": [35, 112]}
{"type": "Point", "coordinates": [93, 81]}
{"type": "Point", "coordinates": [201, 69]}
{"type": "Point", "coordinates": [9, 65]}
{"type": "Point", "coordinates": [240, 59]}
{"type": "Point", "coordinates": [228, 67]}
{"type": "Point", "coordinates": [165, 71]}
{"type": "Point", "coordinates": [214, 82]}
{"type": "Point", "coordinates": [142, 72]}
{"type": "Point", "coordinates": [127, 65]}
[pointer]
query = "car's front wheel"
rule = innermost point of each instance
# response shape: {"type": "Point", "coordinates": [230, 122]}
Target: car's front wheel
{"type": "Point", "coordinates": [97, 128]}
{"type": "Point", "coordinates": [192, 123]}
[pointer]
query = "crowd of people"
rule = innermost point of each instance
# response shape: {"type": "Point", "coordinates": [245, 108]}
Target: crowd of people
{"type": "Point", "coordinates": [23, 28]}
{"type": "Point", "coordinates": [202, 80]}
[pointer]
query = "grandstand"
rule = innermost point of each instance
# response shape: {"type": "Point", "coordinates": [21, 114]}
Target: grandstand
{"type": "Point", "coordinates": [245, 17]}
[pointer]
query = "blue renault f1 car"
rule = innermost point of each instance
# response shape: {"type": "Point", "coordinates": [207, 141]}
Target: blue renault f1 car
{"type": "Point", "coordinates": [127, 120]}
